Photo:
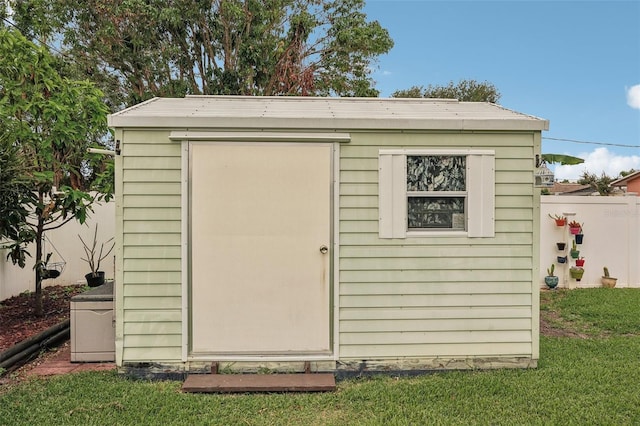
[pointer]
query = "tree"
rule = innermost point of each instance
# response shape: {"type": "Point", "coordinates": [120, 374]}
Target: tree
{"type": "Point", "coordinates": [600, 184]}
{"type": "Point", "coordinates": [15, 195]}
{"type": "Point", "coordinates": [46, 124]}
{"type": "Point", "coordinates": [138, 49]}
{"type": "Point", "coordinates": [464, 90]}
{"type": "Point", "coordinates": [562, 159]}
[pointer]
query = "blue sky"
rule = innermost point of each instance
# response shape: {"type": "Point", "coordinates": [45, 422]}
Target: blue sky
{"type": "Point", "coordinates": [574, 63]}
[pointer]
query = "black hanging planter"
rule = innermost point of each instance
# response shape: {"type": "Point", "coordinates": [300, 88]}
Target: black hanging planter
{"type": "Point", "coordinates": [579, 238]}
{"type": "Point", "coordinates": [95, 279]}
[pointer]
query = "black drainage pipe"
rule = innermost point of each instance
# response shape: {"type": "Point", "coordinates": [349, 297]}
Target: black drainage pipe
{"type": "Point", "coordinates": [13, 356]}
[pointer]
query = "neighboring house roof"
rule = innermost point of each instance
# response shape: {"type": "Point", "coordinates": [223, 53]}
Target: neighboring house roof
{"type": "Point", "coordinates": [290, 112]}
{"type": "Point", "coordinates": [560, 188]}
{"type": "Point", "coordinates": [624, 181]}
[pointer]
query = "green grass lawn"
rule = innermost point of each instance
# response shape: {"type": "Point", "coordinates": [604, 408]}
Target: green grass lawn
{"type": "Point", "coordinates": [590, 380]}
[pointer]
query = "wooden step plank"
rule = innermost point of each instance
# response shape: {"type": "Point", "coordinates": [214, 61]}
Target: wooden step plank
{"type": "Point", "coordinates": [226, 383]}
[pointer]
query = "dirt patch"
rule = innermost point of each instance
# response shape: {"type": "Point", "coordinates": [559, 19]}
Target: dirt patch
{"type": "Point", "coordinates": [18, 318]}
{"type": "Point", "coordinates": [547, 327]}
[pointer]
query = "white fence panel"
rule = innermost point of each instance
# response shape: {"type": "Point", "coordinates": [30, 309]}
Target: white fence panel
{"type": "Point", "coordinates": [611, 235]}
{"type": "Point", "coordinates": [15, 280]}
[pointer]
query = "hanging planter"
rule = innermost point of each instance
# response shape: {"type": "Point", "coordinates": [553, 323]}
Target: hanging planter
{"type": "Point", "coordinates": [560, 220]}
{"type": "Point", "coordinates": [575, 253]}
{"type": "Point", "coordinates": [561, 246]}
{"type": "Point", "coordinates": [562, 259]}
{"type": "Point", "coordinates": [580, 262]}
{"type": "Point", "coordinates": [579, 238]}
{"type": "Point", "coordinates": [576, 273]}
{"type": "Point", "coordinates": [575, 227]}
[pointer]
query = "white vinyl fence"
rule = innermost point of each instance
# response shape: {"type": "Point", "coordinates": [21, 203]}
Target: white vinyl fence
{"type": "Point", "coordinates": [611, 227]}
{"type": "Point", "coordinates": [65, 246]}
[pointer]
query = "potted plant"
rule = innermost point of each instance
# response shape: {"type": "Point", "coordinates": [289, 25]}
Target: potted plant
{"type": "Point", "coordinates": [560, 220]}
{"type": "Point", "coordinates": [95, 278]}
{"type": "Point", "coordinates": [551, 280]}
{"type": "Point", "coordinates": [562, 259]}
{"type": "Point", "coordinates": [580, 262]}
{"type": "Point", "coordinates": [607, 280]}
{"type": "Point", "coordinates": [575, 253]}
{"type": "Point", "coordinates": [576, 272]}
{"type": "Point", "coordinates": [579, 236]}
{"type": "Point", "coordinates": [575, 227]}
{"type": "Point", "coordinates": [561, 245]}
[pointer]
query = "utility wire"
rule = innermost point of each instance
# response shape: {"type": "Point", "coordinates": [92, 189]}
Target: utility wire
{"type": "Point", "coordinates": [592, 143]}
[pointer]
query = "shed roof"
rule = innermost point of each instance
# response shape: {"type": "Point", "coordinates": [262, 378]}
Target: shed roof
{"type": "Point", "coordinates": [322, 113]}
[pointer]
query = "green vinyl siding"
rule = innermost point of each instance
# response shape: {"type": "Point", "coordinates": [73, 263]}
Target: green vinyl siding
{"type": "Point", "coordinates": [157, 353]}
{"type": "Point", "coordinates": [431, 288]}
{"type": "Point", "coordinates": [143, 290]}
{"type": "Point", "coordinates": [436, 350]}
{"type": "Point", "coordinates": [436, 325]}
{"type": "Point", "coordinates": [421, 297]}
{"type": "Point", "coordinates": [152, 328]}
{"type": "Point", "coordinates": [157, 176]}
{"type": "Point", "coordinates": [151, 301]}
{"type": "Point", "coordinates": [151, 247]}
{"type": "Point", "coordinates": [151, 316]}
{"type": "Point", "coordinates": [418, 315]}
{"type": "Point", "coordinates": [440, 296]}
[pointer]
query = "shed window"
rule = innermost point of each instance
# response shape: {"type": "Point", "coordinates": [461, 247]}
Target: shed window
{"type": "Point", "coordinates": [436, 191]}
{"type": "Point", "coordinates": [429, 192]}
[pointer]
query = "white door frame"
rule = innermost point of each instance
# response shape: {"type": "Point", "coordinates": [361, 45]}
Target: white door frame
{"type": "Point", "coordinates": [186, 139]}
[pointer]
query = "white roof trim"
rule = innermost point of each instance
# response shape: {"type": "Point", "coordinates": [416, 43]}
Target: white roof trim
{"type": "Point", "coordinates": [260, 136]}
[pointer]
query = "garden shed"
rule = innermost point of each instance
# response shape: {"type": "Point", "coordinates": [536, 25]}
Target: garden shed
{"type": "Point", "coordinates": [332, 234]}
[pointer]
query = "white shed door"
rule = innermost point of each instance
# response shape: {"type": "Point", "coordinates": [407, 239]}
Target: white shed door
{"type": "Point", "coordinates": [260, 219]}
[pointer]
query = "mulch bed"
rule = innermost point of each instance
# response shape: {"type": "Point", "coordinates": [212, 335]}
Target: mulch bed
{"type": "Point", "coordinates": [18, 318]}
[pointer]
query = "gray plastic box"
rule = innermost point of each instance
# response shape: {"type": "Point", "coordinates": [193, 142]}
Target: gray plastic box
{"type": "Point", "coordinates": [93, 325]}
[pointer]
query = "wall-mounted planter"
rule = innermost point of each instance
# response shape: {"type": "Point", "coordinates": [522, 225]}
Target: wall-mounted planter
{"type": "Point", "coordinates": [560, 220]}
{"type": "Point", "coordinates": [562, 259]}
{"type": "Point", "coordinates": [580, 262]}
{"type": "Point", "coordinates": [575, 254]}
{"type": "Point", "coordinates": [574, 231]}
{"type": "Point", "coordinates": [576, 273]}
{"type": "Point", "coordinates": [561, 246]}
{"type": "Point", "coordinates": [579, 238]}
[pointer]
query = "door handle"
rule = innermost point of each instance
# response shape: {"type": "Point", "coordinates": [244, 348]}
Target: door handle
{"type": "Point", "coordinates": [324, 249]}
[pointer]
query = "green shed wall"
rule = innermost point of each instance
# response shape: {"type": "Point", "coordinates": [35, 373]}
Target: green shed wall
{"type": "Point", "coordinates": [448, 297]}
{"type": "Point", "coordinates": [148, 222]}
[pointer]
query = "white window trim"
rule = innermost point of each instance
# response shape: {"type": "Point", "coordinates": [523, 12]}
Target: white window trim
{"type": "Point", "coordinates": [392, 180]}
